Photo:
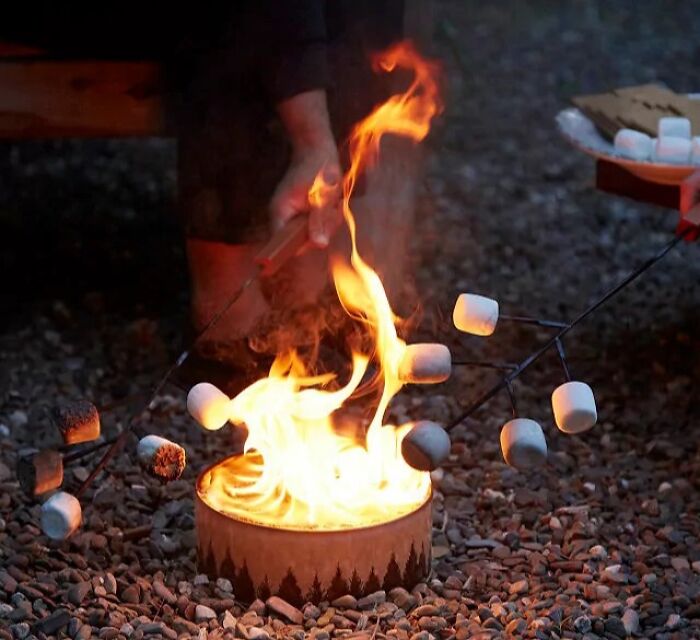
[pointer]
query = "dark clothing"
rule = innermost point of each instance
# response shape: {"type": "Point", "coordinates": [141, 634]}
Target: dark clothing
{"type": "Point", "coordinates": [226, 67]}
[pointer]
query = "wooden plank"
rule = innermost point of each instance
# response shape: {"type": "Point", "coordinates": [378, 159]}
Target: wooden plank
{"type": "Point", "coordinates": [612, 178]}
{"type": "Point", "coordinates": [52, 99]}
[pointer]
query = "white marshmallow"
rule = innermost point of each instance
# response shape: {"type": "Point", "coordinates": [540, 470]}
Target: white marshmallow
{"type": "Point", "coordinates": [475, 314]}
{"type": "Point", "coordinates": [425, 446]}
{"type": "Point", "coordinates": [674, 127]}
{"type": "Point", "coordinates": [695, 150]}
{"type": "Point", "coordinates": [426, 363]}
{"type": "Point", "coordinates": [672, 149]}
{"type": "Point", "coordinates": [208, 405]}
{"type": "Point", "coordinates": [633, 144]}
{"type": "Point", "coordinates": [161, 457]}
{"type": "Point", "coordinates": [574, 407]}
{"type": "Point", "coordinates": [60, 515]}
{"type": "Point", "coordinates": [523, 443]}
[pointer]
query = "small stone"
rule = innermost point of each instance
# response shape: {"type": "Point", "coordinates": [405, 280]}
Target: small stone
{"type": "Point", "coordinates": [84, 633]}
{"type": "Point", "coordinates": [224, 584]}
{"type": "Point", "coordinates": [78, 592]}
{"type": "Point", "coordinates": [203, 613]}
{"type": "Point", "coordinates": [679, 563]}
{"type": "Point", "coordinates": [630, 620]}
{"type": "Point", "coordinates": [403, 599]}
{"type": "Point", "coordinates": [132, 594]}
{"type": "Point", "coordinates": [200, 580]}
{"type": "Point", "coordinates": [516, 626]}
{"type": "Point", "coordinates": [258, 607]}
{"type": "Point", "coordinates": [164, 593]}
{"type": "Point", "coordinates": [372, 600]}
{"type": "Point", "coordinates": [347, 601]}
{"type": "Point", "coordinates": [20, 630]}
{"type": "Point", "coordinates": [126, 630]}
{"type": "Point", "coordinates": [52, 623]}
{"type": "Point", "coordinates": [582, 624]}
{"type": "Point", "coordinates": [283, 608]}
{"type": "Point", "coordinates": [674, 622]}
{"type": "Point", "coordinates": [256, 633]}
{"type": "Point", "coordinates": [229, 621]}
{"type": "Point", "coordinates": [108, 633]}
{"type": "Point", "coordinates": [518, 587]}
{"type": "Point", "coordinates": [598, 551]}
{"type": "Point", "coordinates": [614, 625]}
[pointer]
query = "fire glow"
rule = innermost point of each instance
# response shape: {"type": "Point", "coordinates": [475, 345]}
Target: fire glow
{"type": "Point", "coordinates": [298, 471]}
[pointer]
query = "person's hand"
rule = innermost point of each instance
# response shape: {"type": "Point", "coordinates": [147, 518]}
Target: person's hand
{"type": "Point", "coordinates": [305, 117]}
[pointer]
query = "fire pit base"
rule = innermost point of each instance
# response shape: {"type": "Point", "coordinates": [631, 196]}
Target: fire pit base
{"type": "Point", "coordinates": [300, 566]}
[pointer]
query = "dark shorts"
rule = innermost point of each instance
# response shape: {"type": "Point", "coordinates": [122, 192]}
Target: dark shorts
{"type": "Point", "coordinates": [232, 150]}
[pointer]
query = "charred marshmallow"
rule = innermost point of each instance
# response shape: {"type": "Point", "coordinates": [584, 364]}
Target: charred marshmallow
{"type": "Point", "coordinates": [208, 405]}
{"type": "Point", "coordinates": [161, 458]}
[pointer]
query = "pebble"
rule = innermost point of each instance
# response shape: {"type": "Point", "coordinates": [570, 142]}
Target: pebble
{"type": "Point", "coordinates": [203, 613]}
{"type": "Point", "coordinates": [224, 584]}
{"type": "Point", "coordinates": [372, 600]}
{"type": "Point", "coordinates": [78, 592]}
{"type": "Point", "coordinates": [285, 609]}
{"type": "Point", "coordinates": [345, 602]}
{"type": "Point", "coordinates": [630, 620]}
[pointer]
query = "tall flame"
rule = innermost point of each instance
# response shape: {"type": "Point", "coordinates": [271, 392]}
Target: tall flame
{"type": "Point", "coordinates": [298, 470]}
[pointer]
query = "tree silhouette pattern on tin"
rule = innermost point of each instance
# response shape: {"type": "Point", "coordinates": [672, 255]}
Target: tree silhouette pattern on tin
{"type": "Point", "coordinates": [206, 562]}
{"type": "Point", "coordinates": [413, 572]}
{"type": "Point", "coordinates": [392, 577]}
{"type": "Point", "coordinates": [372, 583]}
{"type": "Point", "coordinates": [424, 562]}
{"type": "Point", "coordinates": [338, 586]}
{"type": "Point", "coordinates": [289, 589]}
{"type": "Point", "coordinates": [355, 584]}
{"type": "Point", "coordinates": [264, 590]}
{"type": "Point", "coordinates": [316, 592]}
{"type": "Point", "coordinates": [228, 568]}
{"type": "Point", "coordinates": [243, 585]}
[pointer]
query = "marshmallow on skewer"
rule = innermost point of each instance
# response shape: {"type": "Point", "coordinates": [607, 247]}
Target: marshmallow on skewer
{"type": "Point", "coordinates": [61, 515]}
{"type": "Point", "coordinates": [425, 446]}
{"type": "Point", "coordinates": [672, 149]}
{"type": "Point", "coordinates": [633, 144]}
{"type": "Point", "coordinates": [77, 421]}
{"type": "Point", "coordinates": [475, 314]}
{"type": "Point", "coordinates": [161, 458]}
{"type": "Point", "coordinates": [674, 127]}
{"type": "Point", "coordinates": [574, 407]}
{"type": "Point", "coordinates": [40, 471]}
{"type": "Point", "coordinates": [523, 443]}
{"type": "Point", "coordinates": [208, 405]}
{"type": "Point", "coordinates": [426, 363]}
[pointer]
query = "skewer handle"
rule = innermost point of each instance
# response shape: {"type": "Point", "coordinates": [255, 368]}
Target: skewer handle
{"type": "Point", "coordinates": [283, 245]}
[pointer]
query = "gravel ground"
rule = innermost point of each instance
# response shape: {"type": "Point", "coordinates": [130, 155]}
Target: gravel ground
{"type": "Point", "coordinates": [601, 542]}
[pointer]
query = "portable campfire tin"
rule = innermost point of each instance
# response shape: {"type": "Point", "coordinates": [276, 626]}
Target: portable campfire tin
{"type": "Point", "coordinates": [307, 565]}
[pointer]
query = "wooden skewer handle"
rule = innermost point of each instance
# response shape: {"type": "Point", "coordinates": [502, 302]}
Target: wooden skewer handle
{"type": "Point", "coordinates": [285, 244]}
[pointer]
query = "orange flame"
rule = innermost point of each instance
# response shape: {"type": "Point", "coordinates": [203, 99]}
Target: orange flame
{"type": "Point", "coordinates": [298, 471]}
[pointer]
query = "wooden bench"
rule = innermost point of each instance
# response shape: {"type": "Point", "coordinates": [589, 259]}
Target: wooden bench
{"type": "Point", "coordinates": [45, 98]}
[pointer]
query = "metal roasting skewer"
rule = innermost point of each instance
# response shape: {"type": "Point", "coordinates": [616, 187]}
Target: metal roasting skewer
{"type": "Point", "coordinates": [285, 244]}
{"type": "Point", "coordinates": [508, 379]}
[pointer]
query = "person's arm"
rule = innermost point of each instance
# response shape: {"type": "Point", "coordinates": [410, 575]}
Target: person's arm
{"type": "Point", "coordinates": [294, 72]}
{"type": "Point", "coordinates": [305, 118]}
